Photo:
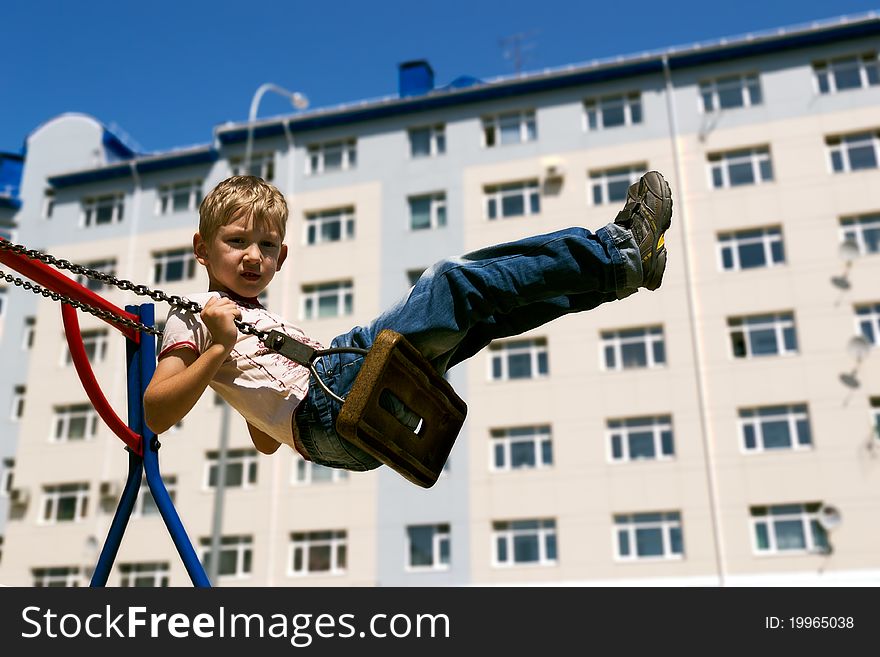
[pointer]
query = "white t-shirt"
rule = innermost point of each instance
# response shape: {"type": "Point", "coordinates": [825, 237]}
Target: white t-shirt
{"type": "Point", "coordinates": [263, 386]}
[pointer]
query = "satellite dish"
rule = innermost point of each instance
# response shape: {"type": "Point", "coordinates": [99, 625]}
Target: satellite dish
{"type": "Point", "coordinates": [848, 249]}
{"type": "Point", "coordinates": [829, 517]}
{"type": "Point", "coordinates": [858, 347]}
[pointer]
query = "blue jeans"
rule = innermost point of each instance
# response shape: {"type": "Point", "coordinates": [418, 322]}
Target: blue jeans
{"type": "Point", "coordinates": [461, 304]}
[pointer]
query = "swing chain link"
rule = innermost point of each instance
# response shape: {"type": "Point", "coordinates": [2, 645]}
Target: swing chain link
{"type": "Point", "coordinates": [174, 300]}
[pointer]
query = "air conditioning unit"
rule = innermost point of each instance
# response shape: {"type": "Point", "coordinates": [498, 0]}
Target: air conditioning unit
{"type": "Point", "coordinates": [829, 517]}
{"type": "Point", "coordinates": [110, 489]}
{"type": "Point", "coordinates": [552, 168]}
{"type": "Point", "coordinates": [19, 496]}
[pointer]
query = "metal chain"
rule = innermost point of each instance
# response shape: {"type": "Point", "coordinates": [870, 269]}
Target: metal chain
{"type": "Point", "coordinates": [173, 300]}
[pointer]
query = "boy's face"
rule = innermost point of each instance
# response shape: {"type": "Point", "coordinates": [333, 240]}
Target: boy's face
{"type": "Point", "coordinates": [242, 258]}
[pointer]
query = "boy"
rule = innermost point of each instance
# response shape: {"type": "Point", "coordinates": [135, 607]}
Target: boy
{"type": "Point", "coordinates": [456, 308]}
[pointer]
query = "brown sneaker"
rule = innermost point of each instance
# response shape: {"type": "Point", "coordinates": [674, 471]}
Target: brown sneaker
{"type": "Point", "coordinates": [648, 214]}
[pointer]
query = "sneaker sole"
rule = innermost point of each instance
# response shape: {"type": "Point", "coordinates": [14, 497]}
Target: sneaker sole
{"type": "Point", "coordinates": [658, 249]}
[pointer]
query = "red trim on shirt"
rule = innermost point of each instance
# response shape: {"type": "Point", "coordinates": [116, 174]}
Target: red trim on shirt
{"type": "Point", "coordinates": [177, 345]}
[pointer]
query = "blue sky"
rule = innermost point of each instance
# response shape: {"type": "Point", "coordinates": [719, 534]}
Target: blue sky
{"type": "Point", "coordinates": [168, 72]}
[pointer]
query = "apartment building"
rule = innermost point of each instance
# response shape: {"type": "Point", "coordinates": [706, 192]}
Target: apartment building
{"type": "Point", "coordinates": [722, 430]}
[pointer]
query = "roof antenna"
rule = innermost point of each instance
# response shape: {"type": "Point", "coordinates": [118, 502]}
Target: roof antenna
{"type": "Point", "coordinates": [515, 47]}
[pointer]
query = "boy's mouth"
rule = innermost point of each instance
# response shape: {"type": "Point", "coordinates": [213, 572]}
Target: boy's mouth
{"type": "Point", "coordinates": [250, 276]}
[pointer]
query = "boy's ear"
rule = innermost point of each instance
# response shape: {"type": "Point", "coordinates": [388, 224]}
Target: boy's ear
{"type": "Point", "coordinates": [200, 248]}
{"type": "Point", "coordinates": [282, 256]}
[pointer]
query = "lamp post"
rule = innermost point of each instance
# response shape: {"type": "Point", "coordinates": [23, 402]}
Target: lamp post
{"type": "Point", "coordinates": [298, 100]}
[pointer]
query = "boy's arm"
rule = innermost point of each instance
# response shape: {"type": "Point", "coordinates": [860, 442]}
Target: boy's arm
{"type": "Point", "coordinates": [263, 441]}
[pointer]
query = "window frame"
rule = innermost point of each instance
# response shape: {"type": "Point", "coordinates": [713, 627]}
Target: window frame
{"type": "Point", "coordinates": [545, 533]}
{"type": "Point", "coordinates": [778, 322]}
{"type": "Point", "coordinates": [336, 543]}
{"type": "Point", "coordinates": [535, 347]}
{"type": "Point", "coordinates": [659, 424]}
{"type": "Point", "coordinates": [262, 165]}
{"type": "Point", "coordinates": [537, 435]}
{"type": "Point", "coordinates": [756, 416]}
{"type": "Point", "coordinates": [242, 545]}
{"type": "Point", "coordinates": [167, 194]}
{"type": "Point", "coordinates": [808, 517]}
{"type": "Point", "coordinates": [734, 240]}
{"type": "Point", "coordinates": [614, 338]}
{"type": "Point", "coordinates": [594, 109]}
{"type": "Point", "coordinates": [668, 522]}
{"type": "Point", "coordinates": [64, 414]}
{"type": "Point", "coordinates": [715, 86]}
{"type": "Point", "coordinates": [246, 458]}
{"type": "Point", "coordinates": [19, 399]}
{"type": "Point", "coordinates": [855, 227]}
{"type": "Point", "coordinates": [52, 496]}
{"type": "Point", "coordinates": [494, 195]}
{"type": "Point", "coordinates": [436, 219]}
{"type": "Point", "coordinates": [841, 146]}
{"type": "Point", "coordinates": [440, 536]}
{"type": "Point", "coordinates": [495, 124]}
{"type": "Point", "coordinates": [825, 67]}
{"type": "Point", "coordinates": [601, 180]}
{"type": "Point", "coordinates": [70, 575]}
{"type": "Point", "coordinates": [871, 311]}
{"type": "Point", "coordinates": [436, 140]}
{"type": "Point", "coordinates": [722, 161]}
{"type": "Point", "coordinates": [131, 572]}
{"type": "Point", "coordinates": [303, 473]}
{"type": "Point", "coordinates": [314, 222]}
{"type": "Point", "coordinates": [316, 156]}
{"type": "Point", "coordinates": [311, 294]}
{"type": "Point", "coordinates": [90, 205]}
{"type": "Point", "coordinates": [160, 261]}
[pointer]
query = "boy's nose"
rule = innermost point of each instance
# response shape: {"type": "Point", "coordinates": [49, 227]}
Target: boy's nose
{"type": "Point", "coordinates": [253, 252]}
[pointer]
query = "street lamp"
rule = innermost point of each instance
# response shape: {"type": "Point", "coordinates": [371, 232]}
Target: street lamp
{"type": "Point", "coordinates": [298, 100]}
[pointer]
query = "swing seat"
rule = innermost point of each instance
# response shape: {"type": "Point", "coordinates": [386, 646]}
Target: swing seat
{"type": "Point", "coordinates": [394, 366]}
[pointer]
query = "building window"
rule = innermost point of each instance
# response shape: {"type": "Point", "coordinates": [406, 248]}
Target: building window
{"type": "Point", "coordinates": [788, 528]}
{"type": "Point", "coordinates": [521, 447]}
{"type": "Point", "coordinates": [853, 152]}
{"type": "Point", "coordinates": [174, 265]}
{"type": "Point", "coordinates": [750, 166]}
{"type": "Point", "coordinates": [2, 301]}
{"type": "Point", "coordinates": [427, 142]}
{"type": "Point", "coordinates": [427, 547]}
{"type": "Point", "coordinates": [413, 275]}
{"type": "Point", "coordinates": [518, 359]}
{"type": "Point", "coordinates": [95, 343]}
{"type": "Point", "coordinates": [241, 468]}
{"type": "Point", "coordinates": [149, 574]}
{"type": "Point", "coordinates": [853, 72]}
{"type": "Point", "coordinates": [74, 422]}
{"type": "Point", "coordinates": [868, 322]}
{"type": "Point", "coordinates": [107, 266]}
{"type": "Point", "coordinates": [48, 203]}
{"type": "Point", "coordinates": [610, 185]}
{"type": "Point", "coordinates": [145, 505]}
{"type": "Point", "coordinates": [521, 542]}
{"type": "Point", "coordinates": [179, 197]}
{"type": "Point", "coordinates": [509, 128]}
{"type": "Point", "coordinates": [875, 420]}
{"type": "Point", "coordinates": [306, 473]}
{"type": "Point", "coordinates": [236, 555]}
{"type": "Point", "coordinates": [330, 226]}
{"type": "Point", "coordinates": [327, 300]}
{"type": "Point", "coordinates": [262, 166]}
{"type": "Point", "coordinates": [103, 210]}
{"type": "Point", "coordinates": [633, 348]}
{"type": "Point", "coordinates": [864, 231]}
{"type": "Point", "coordinates": [512, 200]}
{"type": "Point", "coordinates": [29, 333]}
{"type": "Point", "coordinates": [749, 249]}
{"type": "Point", "coordinates": [427, 212]}
{"type": "Point", "coordinates": [313, 553]}
{"type": "Point", "coordinates": [64, 503]}
{"type": "Point", "coordinates": [640, 438]}
{"type": "Point", "coordinates": [775, 427]}
{"type": "Point", "coordinates": [730, 92]}
{"type": "Point", "coordinates": [58, 577]}
{"type": "Point", "coordinates": [613, 111]}
{"type": "Point", "coordinates": [7, 474]}
{"type": "Point", "coordinates": [762, 335]}
{"type": "Point", "coordinates": [332, 156]}
{"type": "Point", "coordinates": [648, 536]}
{"type": "Point", "coordinates": [18, 397]}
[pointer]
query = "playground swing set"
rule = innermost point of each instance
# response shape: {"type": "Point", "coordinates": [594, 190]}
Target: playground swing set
{"type": "Point", "coordinates": [391, 366]}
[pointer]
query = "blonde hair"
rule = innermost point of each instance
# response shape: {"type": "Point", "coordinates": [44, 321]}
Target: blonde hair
{"type": "Point", "coordinates": [242, 196]}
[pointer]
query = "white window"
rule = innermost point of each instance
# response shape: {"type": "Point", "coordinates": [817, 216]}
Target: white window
{"type": "Point", "coordinates": [853, 152]}
{"type": "Point", "coordinates": [330, 226]}
{"type": "Point", "coordinates": [148, 574]}
{"type": "Point", "coordinates": [613, 111]}
{"type": "Point", "coordinates": [48, 203]}
{"type": "Point", "coordinates": [95, 343]}
{"type": "Point", "coordinates": [730, 92]}
{"type": "Point", "coordinates": [427, 211]}
{"type": "Point", "coordinates": [241, 468]}
{"type": "Point", "coordinates": [749, 166]}
{"type": "Point", "coordinates": [875, 421]}
{"type": "Point", "coordinates": [521, 447]}
{"type": "Point", "coordinates": [868, 322]}
{"type": "Point", "coordinates": [521, 542]}
{"type": "Point", "coordinates": [648, 536]}
{"type": "Point", "coordinates": [18, 398]}
{"type": "Point", "coordinates": [29, 333]}
{"type": "Point", "coordinates": [788, 528]}
{"type": "Point", "coordinates": [145, 505]}
{"type": "Point", "coordinates": [327, 300]}
{"type": "Point", "coordinates": [749, 249]}
{"type": "Point", "coordinates": [610, 185]}
{"type": "Point", "coordinates": [318, 553]}
{"type": "Point", "coordinates": [509, 128]}
{"type": "Point", "coordinates": [512, 200]}
{"type": "Point", "coordinates": [775, 427]}
{"type": "Point", "coordinates": [103, 210]}
{"type": "Point", "coordinates": [179, 197]}
{"type": "Point", "coordinates": [174, 265]}
{"type": "Point", "coordinates": [864, 231]}
{"type": "Point", "coordinates": [7, 473]}
{"type": "Point", "coordinates": [74, 422]}
{"type": "Point", "coordinates": [306, 473]}
{"type": "Point", "coordinates": [57, 577]}
{"type": "Point", "coordinates": [236, 555]}
{"type": "Point", "coordinates": [762, 335]}
{"type": "Point", "coordinates": [633, 348]}
{"type": "Point", "coordinates": [518, 359]}
{"type": "Point", "coordinates": [427, 547]}
{"type": "Point", "coordinates": [427, 142]}
{"type": "Point", "coordinates": [640, 438]}
{"type": "Point", "coordinates": [106, 266]}
{"type": "Point", "coordinates": [853, 72]}
{"type": "Point", "coordinates": [332, 156]}
{"type": "Point", "coordinates": [262, 166]}
{"type": "Point", "coordinates": [64, 503]}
